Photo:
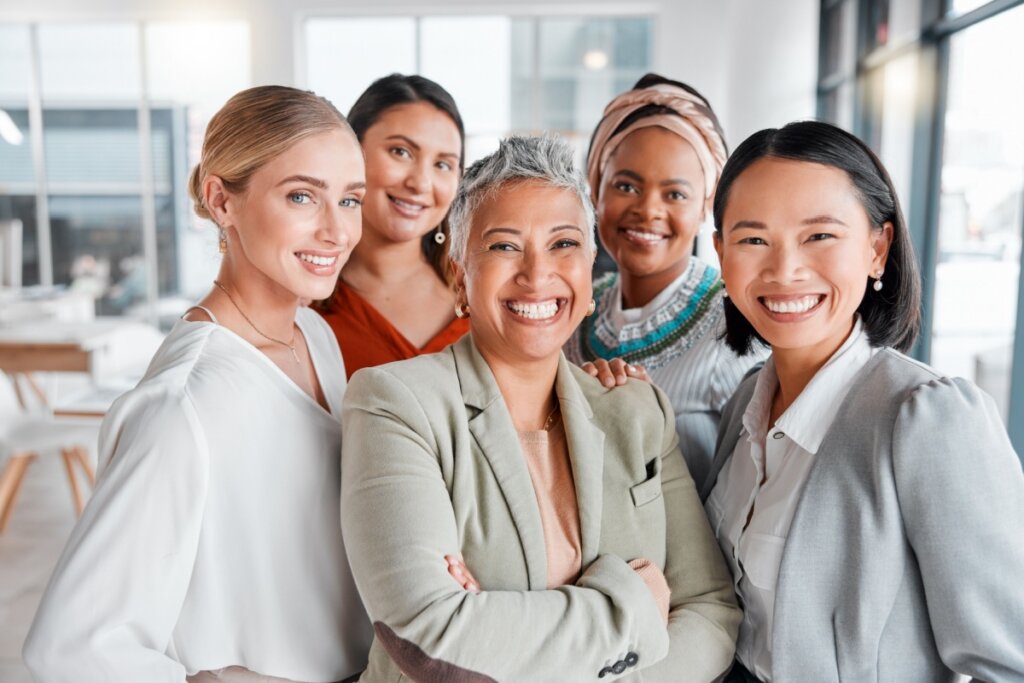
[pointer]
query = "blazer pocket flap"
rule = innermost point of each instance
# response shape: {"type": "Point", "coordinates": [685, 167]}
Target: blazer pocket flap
{"type": "Point", "coordinates": [646, 491]}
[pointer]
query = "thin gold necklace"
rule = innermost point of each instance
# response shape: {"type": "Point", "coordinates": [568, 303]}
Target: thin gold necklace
{"type": "Point", "coordinates": [290, 347]}
{"type": "Point", "coordinates": [550, 422]}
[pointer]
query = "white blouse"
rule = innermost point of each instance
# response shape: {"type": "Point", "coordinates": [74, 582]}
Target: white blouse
{"type": "Point", "coordinates": [212, 538]}
{"type": "Point", "coordinates": [780, 455]}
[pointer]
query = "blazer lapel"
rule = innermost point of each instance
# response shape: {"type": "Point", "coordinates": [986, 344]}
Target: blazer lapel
{"type": "Point", "coordinates": [586, 452]}
{"type": "Point", "coordinates": [496, 437]}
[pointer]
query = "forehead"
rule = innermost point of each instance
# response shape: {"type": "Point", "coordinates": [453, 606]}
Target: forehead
{"type": "Point", "coordinates": [529, 204]}
{"type": "Point", "coordinates": [656, 151]}
{"type": "Point", "coordinates": [786, 188]}
{"type": "Point", "coordinates": [419, 120]}
{"type": "Point", "coordinates": [333, 156]}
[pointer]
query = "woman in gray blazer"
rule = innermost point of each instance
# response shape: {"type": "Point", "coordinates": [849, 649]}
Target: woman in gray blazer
{"type": "Point", "coordinates": [871, 509]}
{"type": "Point", "coordinates": [590, 553]}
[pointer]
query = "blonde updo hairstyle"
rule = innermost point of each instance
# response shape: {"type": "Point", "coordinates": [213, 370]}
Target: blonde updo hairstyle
{"type": "Point", "coordinates": [252, 128]}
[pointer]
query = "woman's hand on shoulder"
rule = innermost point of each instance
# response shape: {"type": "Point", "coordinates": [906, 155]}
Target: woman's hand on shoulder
{"type": "Point", "coordinates": [615, 372]}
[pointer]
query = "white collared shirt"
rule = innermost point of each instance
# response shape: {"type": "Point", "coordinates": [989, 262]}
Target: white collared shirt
{"type": "Point", "coordinates": [781, 456]}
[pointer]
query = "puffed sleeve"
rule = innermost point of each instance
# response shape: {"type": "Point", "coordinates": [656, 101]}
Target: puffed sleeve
{"type": "Point", "coordinates": [704, 618]}
{"type": "Point", "coordinates": [961, 493]}
{"type": "Point", "coordinates": [113, 600]}
{"type": "Point", "coordinates": [398, 523]}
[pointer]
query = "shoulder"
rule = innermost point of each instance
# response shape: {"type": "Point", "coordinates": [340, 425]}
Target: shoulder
{"type": "Point", "coordinates": [423, 378]}
{"type": "Point", "coordinates": [636, 403]}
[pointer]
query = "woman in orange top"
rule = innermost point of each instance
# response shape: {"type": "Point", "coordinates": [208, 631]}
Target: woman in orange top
{"type": "Point", "coordinates": [394, 300]}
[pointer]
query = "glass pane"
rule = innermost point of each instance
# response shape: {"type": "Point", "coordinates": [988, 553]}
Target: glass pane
{"type": "Point", "coordinates": [980, 213]}
{"type": "Point", "coordinates": [344, 55]}
{"type": "Point", "coordinates": [584, 62]}
{"type": "Point", "coordinates": [185, 93]}
{"type": "Point", "coordinates": [17, 170]}
{"type": "Point", "coordinates": [895, 133]}
{"type": "Point", "coordinates": [958, 7]}
{"type": "Point", "coordinates": [525, 101]}
{"type": "Point", "coordinates": [876, 27]}
{"type": "Point", "coordinates": [481, 85]}
{"type": "Point", "coordinates": [91, 85]}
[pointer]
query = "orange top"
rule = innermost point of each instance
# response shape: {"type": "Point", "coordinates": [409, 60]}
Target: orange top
{"type": "Point", "coordinates": [368, 339]}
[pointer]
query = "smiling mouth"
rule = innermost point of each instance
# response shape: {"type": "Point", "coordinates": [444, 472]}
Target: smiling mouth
{"type": "Point", "coordinates": [315, 260]}
{"type": "Point", "coordinates": [792, 305]}
{"type": "Point", "coordinates": [406, 205]}
{"type": "Point", "coordinates": [644, 236]}
{"type": "Point", "coordinates": [536, 310]}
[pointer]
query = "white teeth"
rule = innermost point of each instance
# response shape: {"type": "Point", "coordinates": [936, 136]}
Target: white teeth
{"type": "Point", "coordinates": [409, 206]}
{"type": "Point", "coordinates": [793, 305]}
{"type": "Point", "coordinates": [646, 236]}
{"type": "Point", "coordinates": [319, 260]}
{"type": "Point", "coordinates": [537, 311]}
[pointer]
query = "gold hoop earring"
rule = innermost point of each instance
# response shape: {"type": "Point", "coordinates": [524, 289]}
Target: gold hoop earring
{"type": "Point", "coordinates": [461, 310]}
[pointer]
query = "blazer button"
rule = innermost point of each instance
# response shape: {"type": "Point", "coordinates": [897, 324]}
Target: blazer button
{"type": "Point", "coordinates": [619, 667]}
{"type": "Point", "coordinates": [778, 435]}
{"type": "Point", "coordinates": [632, 658]}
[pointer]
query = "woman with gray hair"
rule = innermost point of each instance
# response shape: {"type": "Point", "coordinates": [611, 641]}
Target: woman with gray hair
{"type": "Point", "coordinates": [590, 553]}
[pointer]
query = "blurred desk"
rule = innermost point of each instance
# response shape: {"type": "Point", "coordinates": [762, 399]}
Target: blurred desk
{"type": "Point", "coordinates": [93, 347]}
{"type": "Point", "coordinates": [19, 305]}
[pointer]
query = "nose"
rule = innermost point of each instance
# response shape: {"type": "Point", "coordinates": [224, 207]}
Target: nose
{"type": "Point", "coordinates": [340, 227]}
{"type": "Point", "coordinates": [649, 206]}
{"type": "Point", "coordinates": [535, 269]}
{"type": "Point", "coordinates": [418, 179]}
{"type": "Point", "coordinates": [783, 264]}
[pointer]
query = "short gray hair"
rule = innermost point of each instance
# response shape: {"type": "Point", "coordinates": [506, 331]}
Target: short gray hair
{"type": "Point", "coordinates": [547, 159]}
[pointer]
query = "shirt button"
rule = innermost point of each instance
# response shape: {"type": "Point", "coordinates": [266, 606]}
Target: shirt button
{"type": "Point", "coordinates": [778, 435]}
{"type": "Point", "coordinates": [619, 667]}
{"type": "Point", "coordinates": [632, 658]}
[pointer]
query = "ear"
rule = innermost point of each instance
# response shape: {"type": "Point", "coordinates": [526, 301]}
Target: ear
{"type": "Point", "coordinates": [717, 240]}
{"type": "Point", "coordinates": [880, 243]}
{"type": "Point", "coordinates": [458, 278]}
{"type": "Point", "coordinates": [216, 199]}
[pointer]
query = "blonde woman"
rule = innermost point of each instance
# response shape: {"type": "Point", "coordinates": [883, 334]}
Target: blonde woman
{"type": "Point", "coordinates": [211, 549]}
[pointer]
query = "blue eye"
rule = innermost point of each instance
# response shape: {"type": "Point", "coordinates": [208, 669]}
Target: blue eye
{"type": "Point", "coordinates": [350, 203]}
{"type": "Point", "coordinates": [300, 197]}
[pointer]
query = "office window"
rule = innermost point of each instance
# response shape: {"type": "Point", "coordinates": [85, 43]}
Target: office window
{"type": "Point", "coordinates": [980, 210]}
{"type": "Point", "coordinates": [117, 147]}
{"type": "Point", "coordinates": [507, 73]}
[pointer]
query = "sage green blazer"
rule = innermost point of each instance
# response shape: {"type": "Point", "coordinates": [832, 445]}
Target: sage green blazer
{"type": "Point", "coordinates": [431, 465]}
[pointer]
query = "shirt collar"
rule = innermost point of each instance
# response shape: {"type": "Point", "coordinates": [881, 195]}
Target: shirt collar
{"type": "Point", "coordinates": [809, 418]}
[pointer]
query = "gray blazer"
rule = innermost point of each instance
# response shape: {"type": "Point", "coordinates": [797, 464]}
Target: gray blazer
{"type": "Point", "coordinates": [905, 558]}
{"type": "Point", "coordinates": [432, 465]}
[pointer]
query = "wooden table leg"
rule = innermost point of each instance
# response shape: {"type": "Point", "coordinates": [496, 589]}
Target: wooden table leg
{"type": "Point", "coordinates": [10, 483]}
{"type": "Point", "coordinates": [83, 459]}
{"type": "Point", "coordinates": [68, 454]}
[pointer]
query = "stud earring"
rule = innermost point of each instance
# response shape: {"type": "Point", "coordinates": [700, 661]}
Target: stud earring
{"type": "Point", "coordinates": [592, 307]}
{"type": "Point", "coordinates": [877, 286]}
{"type": "Point", "coordinates": [461, 310]}
{"type": "Point", "coordinates": [439, 236]}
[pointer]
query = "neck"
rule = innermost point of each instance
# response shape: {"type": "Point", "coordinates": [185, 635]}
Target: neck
{"type": "Point", "coordinates": [382, 260]}
{"type": "Point", "coordinates": [797, 367]}
{"type": "Point", "coordinates": [640, 290]}
{"type": "Point", "coordinates": [270, 308]}
{"type": "Point", "coordinates": [528, 390]}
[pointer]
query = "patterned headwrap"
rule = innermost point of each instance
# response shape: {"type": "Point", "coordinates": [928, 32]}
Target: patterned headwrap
{"type": "Point", "coordinates": [696, 124]}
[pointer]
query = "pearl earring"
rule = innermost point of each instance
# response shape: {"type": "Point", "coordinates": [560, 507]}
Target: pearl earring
{"type": "Point", "coordinates": [877, 286]}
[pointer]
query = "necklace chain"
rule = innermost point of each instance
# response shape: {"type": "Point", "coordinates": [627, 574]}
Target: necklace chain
{"type": "Point", "coordinates": [550, 422]}
{"type": "Point", "coordinates": [289, 346]}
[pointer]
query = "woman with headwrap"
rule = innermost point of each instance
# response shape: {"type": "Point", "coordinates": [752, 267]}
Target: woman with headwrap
{"type": "Point", "coordinates": [653, 165]}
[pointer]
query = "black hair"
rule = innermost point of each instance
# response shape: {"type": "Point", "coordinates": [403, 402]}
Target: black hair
{"type": "Point", "coordinates": [892, 316]}
{"type": "Point", "coordinates": [392, 91]}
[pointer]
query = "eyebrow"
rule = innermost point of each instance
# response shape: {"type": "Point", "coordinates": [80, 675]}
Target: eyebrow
{"type": "Point", "coordinates": [316, 182]}
{"type": "Point", "coordinates": [664, 183]}
{"type": "Point", "coordinates": [415, 145]}
{"type": "Point", "coordinates": [513, 231]}
{"type": "Point", "coordinates": [357, 185]}
{"type": "Point", "coordinates": [813, 220]}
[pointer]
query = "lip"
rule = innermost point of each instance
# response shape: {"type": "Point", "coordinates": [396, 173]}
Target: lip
{"type": "Point", "coordinates": [406, 207]}
{"type": "Point", "coordinates": [790, 317]}
{"type": "Point", "coordinates": [324, 270]}
{"type": "Point", "coordinates": [632, 236]}
{"type": "Point", "coordinates": [561, 303]}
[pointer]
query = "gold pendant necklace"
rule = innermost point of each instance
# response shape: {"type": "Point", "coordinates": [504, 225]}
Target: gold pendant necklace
{"type": "Point", "coordinates": [290, 347]}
